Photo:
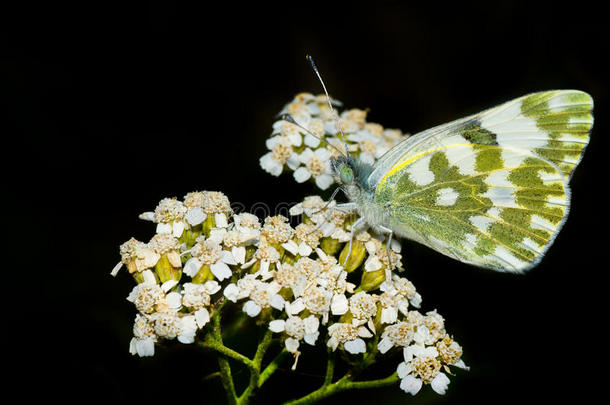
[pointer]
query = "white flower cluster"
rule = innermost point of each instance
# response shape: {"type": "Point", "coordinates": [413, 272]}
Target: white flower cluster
{"type": "Point", "coordinates": [308, 153]}
{"type": "Point", "coordinates": [290, 278]}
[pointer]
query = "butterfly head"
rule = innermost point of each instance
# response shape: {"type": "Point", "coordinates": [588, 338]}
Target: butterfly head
{"type": "Point", "coordinates": [349, 172]}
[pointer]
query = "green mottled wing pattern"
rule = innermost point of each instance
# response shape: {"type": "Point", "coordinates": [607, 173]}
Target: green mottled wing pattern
{"type": "Point", "coordinates": [491, 189]}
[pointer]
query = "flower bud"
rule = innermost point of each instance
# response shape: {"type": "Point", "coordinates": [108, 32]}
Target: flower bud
{"type": "Point", "coordinates": [204, 274]}
{"type": "Point", "coordinates": [166, 268]}
{"type": "Point", "coordinates": [372, 279]}
{"type": "Point", "coordinates": [330, 246]}
{"type": "Point", "coordinates": [355, 258]}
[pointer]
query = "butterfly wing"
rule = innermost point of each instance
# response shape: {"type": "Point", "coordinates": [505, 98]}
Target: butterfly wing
{"type": "Point", "coordinates": [552, 124]}
{"type": "Point", "coordinates": [490, 189]}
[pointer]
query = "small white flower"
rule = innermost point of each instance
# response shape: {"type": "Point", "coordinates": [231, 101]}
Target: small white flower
{"type": "Point", "coordinates": [281, 153]}
{"type": "Point", "coordinates": [210, 252]}
{"type": "Point", "coordinates": [317, 164]}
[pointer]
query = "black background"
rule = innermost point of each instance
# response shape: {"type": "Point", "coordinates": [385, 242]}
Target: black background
{"type": "Point", "coordinates": [110, 108]}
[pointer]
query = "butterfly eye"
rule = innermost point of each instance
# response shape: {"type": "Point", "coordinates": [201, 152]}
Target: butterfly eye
{"type": "Point", "coordinates": [346, 174]}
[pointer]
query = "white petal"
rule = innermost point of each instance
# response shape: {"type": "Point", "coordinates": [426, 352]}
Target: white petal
{"type": "Point", "coordinates": [292, 345]}
{"type": "Point", "coordinates": [227, 257]}
{"type": "Point", "coordinates": [416, 300]}
{"type": "Point", "coordinates": [202, 317]}
{"type": "Point", "coordinates": [188, 327]}
{"type": "Point", "coordinates": [149, 256]}
{"type": "Point", "coordinates": [295, 139]}
{"type": "Point", "coordinates": [355, 346]}
{"type": "Point", "coordinates": [403, 369]}
{"type": "Point", "coordinates": [220, 219]}
{"type": "Point", "coordinates": [293, 161]}
{"type": "Point", "coordinates": [323, 154]}
{"type": "Point", "coordinates": [411, 384]}
{"type": "Point", "coordinates": [304, 249]}
{"type": "Point", "coordinates": [145, 347]}
{"type": "Point", "coordinates": [460, 363]}
{"type": "Point", "coordinates": [192, 266]}
{"type": "Point", "coordinates": [389, 315]}
{"type": "Point", "coordinates": [231, 292]}
{"type": "Point", "coordinates": [147, 216]}
{"type": "Point", "coordinates": [211, 286]}
{"type": "Point", "coordinates": [384, 345]}
{"type": "Point", "coordinates": [306, 155]}
{"type": "Point", "coordinates": [311, 324]}
{"type": "Point", "coordinates": [195, 216]}
{"type": "Point", "coordinates": [217, 235]}
{"type": "Point", "coordinates": [239, 254]}
{"type": "Point", "coordinates": [174, 258]}
{"type": "Point", "coordinates": [273, 141]}
{"type": "Point", "coordinates": [271, 165]}
{"type": "Point", "coordinates": [440, 383]}
{"type": "Point", "coordinates": [294, 307]}
{"type": "Point", "coordinates": [116, 269]}
{"type": "Point", "coordinates": [277, 325]}
{"type": "Point", "coordinates": [221, 271]}
{"type": "Point", "coordinates": [324, 181]}
{"type": "Point", "coordinates": [174, 300]}
{"type": "Point", "coordinates": [168, 285]}
{"type": "Point", "coordinates": [339, 304]}
{"type": "Point", "coordinates": [372, 264]}
{"type": "Point", "coordinates": [277, 302]}
{"type": "Point", "coordinates": [177, 228]}
{"type": "Point", "coordinates": [364, 332]}
{"type": "Point", "coordinates": [301, 175]}
{"type": "Point", "coordinates": [291, 246]}
{"type": "Point", "coordinates": [251, 308]}
{"type": "Point", "coordinates": [149, 277]}
{"type": "Point", "coordinates": [311, 140]}
{"type": "Point", "coordinates": [311, 338]}
{"type": "Point", "coordinates": [332, 343]}
{"type": "Point", "coordinates": [164, 228]}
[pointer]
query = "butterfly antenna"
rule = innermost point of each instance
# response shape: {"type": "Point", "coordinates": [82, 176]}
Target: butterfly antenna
{"type": "Point", "coordinates": [330, 104]}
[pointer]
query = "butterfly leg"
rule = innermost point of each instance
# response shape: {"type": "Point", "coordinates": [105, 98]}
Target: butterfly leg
{"type": "Point", "coordinates": [346, 207]}
{"type": "Point", "coordinates": [355, 226]}
{"type": "Point", "coordinates": [388, 270]}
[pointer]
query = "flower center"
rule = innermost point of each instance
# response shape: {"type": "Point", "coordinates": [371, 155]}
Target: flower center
{"type": "Point", "coordinates": [316, 166]}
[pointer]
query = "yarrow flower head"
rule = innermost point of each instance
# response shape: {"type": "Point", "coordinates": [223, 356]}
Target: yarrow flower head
{"type": "Point", "coordinates": [299, 282]}
{"type": "Point", "coordinates": [306, 150]}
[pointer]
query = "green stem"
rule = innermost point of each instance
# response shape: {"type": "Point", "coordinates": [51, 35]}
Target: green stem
{"type": "Point", "coordinates": [343, 384]}
{"type": "Point", "coordinates": [330, 367]}
{"type": "Point", "coordinates": [227, 380]}
{"type": "Point", "coordinates": [271, 367]}
{"type": "Point", "coordinates": [213, 344]}
{"type": "Point", "coordinates": [255, 369]}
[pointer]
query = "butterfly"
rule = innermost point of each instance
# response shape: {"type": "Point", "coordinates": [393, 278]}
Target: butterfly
{"type": "Point", "coordinates": [490, 189]}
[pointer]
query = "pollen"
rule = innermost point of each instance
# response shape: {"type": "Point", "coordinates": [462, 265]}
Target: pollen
{"type": "Point", "coordinates": [215, 202]}
{"type": "Point", "coordinates": [282, 152]}
{"type": "Point", "coordinates": [426, 368]}
{"type": "Point", "coordinates": [169, 210]}
{"type": "Point", "coordinates": [316, 166]}
{"type": "Point", "coordinates": [194, 199]}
